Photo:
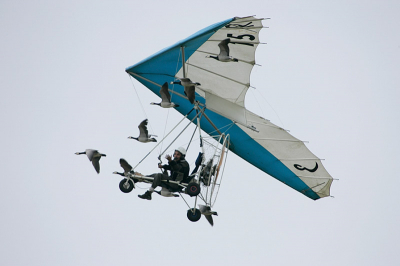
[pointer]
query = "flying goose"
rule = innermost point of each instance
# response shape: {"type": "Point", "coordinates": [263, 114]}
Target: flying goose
{"type": "Point", "coordinates": [144, 134]}
{"type": "Point", "coordinates": [206, 211]}
{"type": "Point", "coordinates": [166, 193]}
{"type": "Point", "coordinates": [224, 52]}
{"type": "Point", "coordinates": [94, 156]}
{"type": "Point", "coordinates": [126, 166]}
{"type": "Point", "coordinates": [165, 98]}
{"type": "Point", "coordinates": [189, 88]}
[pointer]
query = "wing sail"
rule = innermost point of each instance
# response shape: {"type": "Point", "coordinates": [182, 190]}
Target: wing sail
{"type": "Point", "coordinates": [231, 78]}
{"type": "Point", "coordinates": [224, 82]}
{"type": "Point", "coordinates": [290, 152]}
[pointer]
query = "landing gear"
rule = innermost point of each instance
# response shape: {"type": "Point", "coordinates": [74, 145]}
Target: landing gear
{"type": "Point", "coordinates": [126, 185]}
{"type": "Point", "coordinates": [193, 189]}
{"type": "Point", "coordinates": [193, 214]}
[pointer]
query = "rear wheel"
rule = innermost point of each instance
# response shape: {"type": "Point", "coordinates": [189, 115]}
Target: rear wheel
{"type": "Point", "coordinates": [193, 189]}
{"type": "Point", "coordinates": [193, 215]}
{"type": "Point", "coordinates": [126, 185]}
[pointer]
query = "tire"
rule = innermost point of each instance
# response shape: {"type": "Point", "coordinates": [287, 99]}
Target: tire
{"type": "Point", "coordinates": [125, 186]}
{"type": "Point", "coordinates": [193, 189]}
{"type": "Point", "coordinates": [194, 217]}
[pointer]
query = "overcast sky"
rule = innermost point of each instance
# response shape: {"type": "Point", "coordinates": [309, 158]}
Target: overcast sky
{"type": "Point", "coordinates": [329, 73]}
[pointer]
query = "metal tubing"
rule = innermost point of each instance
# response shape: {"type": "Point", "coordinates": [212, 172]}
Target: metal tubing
{"type": "Point", "coordinates": [208, 119]}
{"type": "Point", "coordinates": [163, 139]}
{"type": "Point", "coordinates": [183, 61]}
{"type": "Point", "coordinates": [180, 133]}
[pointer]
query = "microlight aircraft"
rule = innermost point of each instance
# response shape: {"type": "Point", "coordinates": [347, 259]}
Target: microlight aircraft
{"type": "Point", "coordinates": [215, 63]}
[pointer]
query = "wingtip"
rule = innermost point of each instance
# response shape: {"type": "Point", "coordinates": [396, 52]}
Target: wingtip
{"type": "Point", "coordinates": [209, 219]}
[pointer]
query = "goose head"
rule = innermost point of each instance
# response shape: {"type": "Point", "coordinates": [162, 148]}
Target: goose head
{"type": "Point", "coordinates": [210, 56]}
{"type": "Point", "coordinates": [118, 173]}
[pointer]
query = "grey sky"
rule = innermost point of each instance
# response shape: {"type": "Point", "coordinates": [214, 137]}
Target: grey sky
{"type": "Point", "coordinates": [329, 74]}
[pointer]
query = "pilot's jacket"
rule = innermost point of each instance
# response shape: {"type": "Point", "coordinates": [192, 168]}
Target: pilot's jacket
{"type": "Point", "coordinates": [179, 169]}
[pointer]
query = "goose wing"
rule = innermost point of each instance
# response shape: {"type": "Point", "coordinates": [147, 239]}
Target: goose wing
{"type": "Point", "coordinates": [165, 96]}
{"type": "Point", "coordinates": [206, 211]}
{"type": "Point", "coordinates": [203, 208]}
{"type": "Point", "coordinates": [96, 163]}
{"type": "Point", "coordinates": [91, 153]}
{"type": "Point", "coordinates": [125, 165]}
{"type": "Point", "coordinates": [209, 219]}
{"type": "Point", "coordinates": [190, 93]}
{"type": "Point", "coordinates": [224, 48]}
{"type": "Point", "coordinates": [186, 82]}
{"type": "Point", "coordinates": [143, 129]}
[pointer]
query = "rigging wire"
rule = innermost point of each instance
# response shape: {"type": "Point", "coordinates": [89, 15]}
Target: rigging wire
{"type": "Point", "coordinates": [283, 126]}
{"type": "Point", "coordinates": [190, 141]}
{"type": "Point", "coordinates": [165, 129]}
{"type": "Point", "coordinates": [180, 132]}
{"type": "Point", "coordinates": [173, 86]}
{"type": "Point", "coordinates": [141, 105]}
{"type": "Point", "coordinates": [165, 137]}
{"type": "Point", "coordinates": [259, 106]}
{"type": "Point", "coordinates": [220, 129]}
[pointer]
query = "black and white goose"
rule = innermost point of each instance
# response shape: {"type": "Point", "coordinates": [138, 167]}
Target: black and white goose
{"type": "Point", "coordinates": [165, 98]}
{"type": "Point", "coordinates": [189, 88]}
{"type": "Point", "coordinates": [166, 193]}
{"type": "Point", "coordinates": [126, 166]}
{"type": "Point", "coordinates": [224, 52]}
{"type": "Point", "coordinates": [206, 211]}
{"type": "Point", "coordinates": [94, 156]}
{"type": "Point", "coordinates": [126, 185]}
{"type": "Point", "coordinates": [144, 134]}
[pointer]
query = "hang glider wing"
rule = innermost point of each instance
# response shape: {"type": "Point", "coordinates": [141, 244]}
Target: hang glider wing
{"type": "Point", "coordinates": [223, 86]}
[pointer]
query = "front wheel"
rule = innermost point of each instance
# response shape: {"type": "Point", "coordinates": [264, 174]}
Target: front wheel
{"type": "Point", "coordinates": [126, 185]}
{"type": "Point", "coordinates": [193, 215]}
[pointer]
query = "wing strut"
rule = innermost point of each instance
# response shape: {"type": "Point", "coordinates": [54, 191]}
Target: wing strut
{"type": "Point", "coordinates": [209, 120]}
{"type": "Point", "coordinates": [183, 61]}
{"type": "Point", "coordinates": [167, 136]}
{"type": "Point", "coordinates": [196, 116]}
{"type": "Point", "coordinates": [196, 106]}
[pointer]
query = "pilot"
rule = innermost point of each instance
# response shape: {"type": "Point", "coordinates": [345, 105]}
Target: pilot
{"type": "Point", "coordinates": [179, 168]}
